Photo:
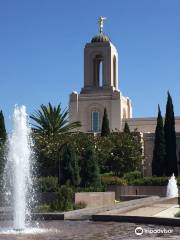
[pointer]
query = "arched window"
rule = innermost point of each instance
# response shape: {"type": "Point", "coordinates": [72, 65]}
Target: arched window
{"type": "Point", "coordinates": [95, 121]}
{"type": "Point", "coordinates": [98, 71]}
{"type": "Point", "coordinates": [114, 71]}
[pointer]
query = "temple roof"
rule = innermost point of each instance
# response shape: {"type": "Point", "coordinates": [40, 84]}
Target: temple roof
{"type": "Point", "coordinates": [101, 37]}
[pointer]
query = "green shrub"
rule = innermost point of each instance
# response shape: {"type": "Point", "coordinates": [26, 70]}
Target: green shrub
{"type": "Point", "coordinates": [90, 189]}
{"type": "Point", "coordinates": [90, 173]}
{"type": "Point", "coordinates": [79, 205]}
{"type": "Point", "coordinates": [128, 180]}
{"type": "Point", "coordinates": [43, 208]}
{"type": "Point", "coordinates": [178, 180]}
{"type": "Point", "coordinates": [47, 184]}
{"type": "Point", "coordinates": [177, 214]}
{"type": "Point", "coordinates": [131, 176]}
{"type": "Point", "coordinates": [64, 201]}
{"type": "Point", "coordinates": [150, 181]}
{"type": "Point", "coordinates": [113, 180]}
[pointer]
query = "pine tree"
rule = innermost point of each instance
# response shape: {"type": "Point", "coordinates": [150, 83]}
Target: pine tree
{"type": "Point", "coordinates": [170, 138]}
{"type": "Point", "coordinates": [159, 152]}
{"type": "Point", "coordinates": [126, 128]}
{"type": "Point", "coordinates": [69, 166]}
{"type": "Point", "coordinates": [90, 175]}
{"type": "Point", "coordinates": [105, 131]}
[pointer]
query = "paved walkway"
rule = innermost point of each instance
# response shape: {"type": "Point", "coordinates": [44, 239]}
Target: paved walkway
{"type": "Point", "coordinates": [169, 212]}
{"type": "Point", "coordinates": [86, 213]}
{"type": "Point", "coordinates": [159, 210]}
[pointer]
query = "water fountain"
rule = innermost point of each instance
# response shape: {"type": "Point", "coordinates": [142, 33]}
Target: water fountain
{"type": "Point", "coordinates": [18, 167]}
{"type": "Point", "coordinates": [19, 183]}
{"type": "Point", "coordinates": [172, 189]}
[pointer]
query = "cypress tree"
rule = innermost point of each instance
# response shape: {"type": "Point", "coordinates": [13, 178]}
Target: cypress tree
{"type": "Point", "coordinates": [170, 138]}
{"type": "Point", "coordinates": [90, 175]}
{"type": "Point", "coordinates": [69, 167]}
{"type": "Point", "coordinates": [126, 128]}
{"type": "Point", "coordinates": [3, 136]}
{"type": "Point", "coordinates": [159, 152]}
{"type": "Point", "coordinates": [105, 131]}
{"type": "Point", "coordinates": [2, 128]}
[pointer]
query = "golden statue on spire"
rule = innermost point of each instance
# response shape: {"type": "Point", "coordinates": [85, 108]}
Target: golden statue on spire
{"type": "Point", "coordinates": [101, 23]}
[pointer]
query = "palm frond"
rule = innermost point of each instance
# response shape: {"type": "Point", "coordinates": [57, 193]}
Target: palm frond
{"type": "Point", "coordinates": [52, 120]}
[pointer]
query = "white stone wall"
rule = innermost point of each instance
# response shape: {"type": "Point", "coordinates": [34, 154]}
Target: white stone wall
{"type": "Point", "coordinates": [148, 125]}
{"type": "Point", "coordinates": [82, 105]}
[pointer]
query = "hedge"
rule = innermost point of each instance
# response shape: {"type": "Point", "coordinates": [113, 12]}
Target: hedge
{"type": "Point", "coordinates": [149, 181]}
{"type": "Point", "coordinates": [113, 180]}
{"type": "Point", "coordinates": [50, 184]}
{"type": "Point", "coordinates": [144, 181]}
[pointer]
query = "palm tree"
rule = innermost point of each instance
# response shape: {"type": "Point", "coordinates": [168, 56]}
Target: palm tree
{"type": "Point", "coordinates": [52, 120]}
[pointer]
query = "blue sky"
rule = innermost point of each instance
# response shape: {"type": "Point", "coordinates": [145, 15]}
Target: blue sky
{"type": "Point", "coordinates": [42, 42]}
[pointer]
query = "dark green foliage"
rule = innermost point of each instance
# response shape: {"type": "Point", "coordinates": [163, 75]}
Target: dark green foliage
{"type": "Point", "coordinates": [130, 176]}
{"type": "Point", "coordinates": [103, 151]}
{"type": "Point", "coordinates": [69, 166]}
{"type": "Point", "coordinates": [49, 134]}
{"type": "Point", "coordinates": [159, 152]}
{"type": "Point", "coordinates": [149, 181]}
{"type": "Point", "coordinates": [80, 141]}
{"type": "Point", "coordinates": [90, 189]}
{"type": "Point", "coordinates": [3, 136]}
{"type": "Point", "coordinates": [139, 181]}
{"type": "Point", "coordinates": [105, 131]}
{"type": "Point", "coordinates": [47, 165]}
{"type": "Point", "coordinates": [126, 128]}
{"type": "Point", "coordinates": [170, 138]}
{"type": "Point", "coordinates": [90, 175]}
{"type": "Point", "coordinates": [126, 154]}
{"type": "Point", "coordinates": [43, 208]}
{"type": "Point", "coordinates": [49, 150]}
{"type": "Point", "coordinates": [64, 201]}
{"type": "Point", "coordinates": [3, 133]}
{"type": "Point", "coordinates": [47, 184]}
{"type": "Point", "coordinates": [113, 180]}
{"type": "Point", "coordinates": [177, 214]}
{"type": "Point", "coordinates": [178, 181]}
{"type": "Point", "coordinates": [52, 120]}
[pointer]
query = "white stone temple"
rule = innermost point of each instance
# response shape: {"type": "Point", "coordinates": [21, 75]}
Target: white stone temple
{"type": "Point", "coordinates": [101, 90]}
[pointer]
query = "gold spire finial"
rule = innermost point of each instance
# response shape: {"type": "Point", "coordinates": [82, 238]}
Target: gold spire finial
{"type": "Point", "coordinates": [101, 23]}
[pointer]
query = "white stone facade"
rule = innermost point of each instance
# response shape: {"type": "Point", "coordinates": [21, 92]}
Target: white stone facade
{"type": "Point", "coordinates": [148, 124]}
{"type": "Point", "coordinates": [101, 91]}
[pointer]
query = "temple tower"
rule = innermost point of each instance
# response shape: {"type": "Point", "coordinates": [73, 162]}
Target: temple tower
{"type": "Point", "coordinates": [100, 88]}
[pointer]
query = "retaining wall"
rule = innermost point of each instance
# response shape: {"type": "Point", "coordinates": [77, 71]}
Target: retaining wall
{"type": "Point", "coordinates": [95, 199]}
{"type": "Point", "coordinates": [137, 190]}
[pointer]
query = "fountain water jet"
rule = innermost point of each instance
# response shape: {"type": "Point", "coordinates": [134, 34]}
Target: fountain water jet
{"type": "Point", "coordinates": [19, 166]}
{"type": "Point", "coordinates": [172, 189]}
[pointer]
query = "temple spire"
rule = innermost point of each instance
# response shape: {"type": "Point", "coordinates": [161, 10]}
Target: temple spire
{"type": "Point", "coordinates": [101, 23]}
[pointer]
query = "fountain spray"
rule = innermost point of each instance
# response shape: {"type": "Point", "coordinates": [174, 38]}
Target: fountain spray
{"type": "Point", "coordinates": [19, 166]}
